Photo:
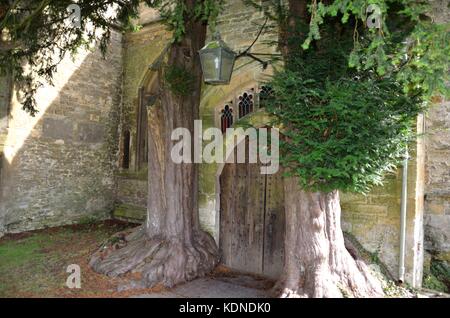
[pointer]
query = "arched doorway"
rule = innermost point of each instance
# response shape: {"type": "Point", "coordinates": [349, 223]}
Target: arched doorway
{"type": "Point", "coordinates": [252, 219]}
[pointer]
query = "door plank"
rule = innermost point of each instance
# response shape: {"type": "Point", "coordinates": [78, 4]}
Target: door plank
{"type": "Point", "coordinates": [274, 228]}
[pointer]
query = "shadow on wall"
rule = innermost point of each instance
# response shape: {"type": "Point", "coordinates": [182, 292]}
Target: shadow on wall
{"type": "Point", "coordinates": [58, 167]}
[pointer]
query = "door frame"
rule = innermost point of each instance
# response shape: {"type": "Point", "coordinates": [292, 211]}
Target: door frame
{"type": "Point", "coordinates": [220, 168]}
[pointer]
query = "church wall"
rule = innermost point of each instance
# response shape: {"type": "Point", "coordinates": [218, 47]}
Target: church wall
{"type": "Point", "coordinates": [58, 167]}
{"type": "Point", "coordinates": [437, 178]}
{"type": "Point", "coordinates": [141, 49]}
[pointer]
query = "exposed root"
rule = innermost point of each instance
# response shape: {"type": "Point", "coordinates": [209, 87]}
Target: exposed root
{"type": "Point", "coordinates": [351, 278]}
{"type": "Point", "coordinates": [317, 263]}
{"type": "Point", "coordinates": [169, 261]}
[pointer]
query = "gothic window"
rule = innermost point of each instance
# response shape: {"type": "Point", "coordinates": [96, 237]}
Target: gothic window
{"type": "Point", "coordinates": [226, 118]}
{"type": "Point", "coordinates": [141, 132]}
{"type": "Point", "coordinates": [264, 94]}
{"type": "Point", "coordinates": [126, 150]}
{"type": "Point", "coordinates": [245, 104]}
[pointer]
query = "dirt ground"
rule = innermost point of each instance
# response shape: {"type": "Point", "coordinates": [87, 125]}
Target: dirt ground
{"type": "Point", "coordinates": [34, 264]}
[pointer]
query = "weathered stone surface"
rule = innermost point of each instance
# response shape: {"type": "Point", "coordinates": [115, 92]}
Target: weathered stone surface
{"type": "Point", "coordinates": [437, 233]}
{"type": "Point", "coordinates": [132, 191]}
{"type": "Point", "coordinates": [90, 132]}
{"type": "Point", "coordinates": [141, 49]}
{"type": "Point", "coordinates": [57, 128]}
{"type": "Point", "coordinates": [130, 213]}
{"type": "Point", "coordinates": [213, 288]}
{"type": "Point", "coordinates": [59, 167]}
{"type": "Point", "coordinates": [437, 203]}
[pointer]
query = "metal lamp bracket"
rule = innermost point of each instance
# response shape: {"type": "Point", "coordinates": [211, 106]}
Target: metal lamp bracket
{"type": "Point", "coordinates": [246, 53]}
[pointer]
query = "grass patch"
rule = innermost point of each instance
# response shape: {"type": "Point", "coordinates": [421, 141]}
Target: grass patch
{"type": "Point", "coordinates": [438, 277]}
{"type": "Point", "coordinates": [34, 264]}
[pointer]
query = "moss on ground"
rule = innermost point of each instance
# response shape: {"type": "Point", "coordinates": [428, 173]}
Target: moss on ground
{"type": "Point", "coordinates": [34, 264]}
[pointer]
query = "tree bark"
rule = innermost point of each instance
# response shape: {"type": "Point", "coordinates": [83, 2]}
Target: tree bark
{"type": "Point", "coordinates": [317, 263]}
{"type": "Point", "coordinates": [170, 248]}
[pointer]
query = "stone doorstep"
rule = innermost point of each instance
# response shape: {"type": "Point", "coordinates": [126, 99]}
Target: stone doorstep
{"type": "Point", "coordinates": [130, 213]}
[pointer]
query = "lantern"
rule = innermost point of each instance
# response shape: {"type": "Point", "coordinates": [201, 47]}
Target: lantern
{"type": "Point", "coordinates": [217, 61]}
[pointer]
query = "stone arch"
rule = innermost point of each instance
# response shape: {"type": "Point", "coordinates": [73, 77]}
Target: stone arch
{"type": "Point", "coordinates": [147, 92]}
{"type": "Point", "coordinates": [257, 120]}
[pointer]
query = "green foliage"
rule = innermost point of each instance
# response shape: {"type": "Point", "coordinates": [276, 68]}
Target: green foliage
{"type": "Point", "coordinates": [349, 95]}
{"type": "Point", "coordinates": [432, 282]}
{"type": "Point", "coordinates": [37, 35]}
{"type": "Point", "coordinates": [344, 129]}
{"type": "Point", "coordinates": [178, 80]}
{"type": "Point", "coordinates": [176, 13]}
{"type": "Point", "coordinates": [438, 277]}
{"type": "Point", "coordinates": [421, 59]}
{"type": "Point", "coordinates": [409, 44]}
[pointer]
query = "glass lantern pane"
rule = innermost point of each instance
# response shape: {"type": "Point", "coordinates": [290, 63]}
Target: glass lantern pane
{"type": "Point", "coordinates": [227, 66]}
{"type": "Point", "coordinates": [211, 65]}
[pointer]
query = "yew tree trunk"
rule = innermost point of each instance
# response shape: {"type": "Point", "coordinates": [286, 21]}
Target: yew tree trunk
{"type": "Point", "coordinates": [170, 248]}
{"type": "Point", "coordinates": [317, 263]}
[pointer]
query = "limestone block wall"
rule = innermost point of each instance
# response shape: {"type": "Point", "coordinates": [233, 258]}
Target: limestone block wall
{"type": "Point", "coordinates": [58, 167]}
{"type": "Point", "coordinates": [437, 203]}
{"type": "Point", "coordinates": [141, 49]}
{"type": "Point", "coordinates": [374, 219]}
{"type": "Point", "coordinates": [437, 188]}
{"type": "Point", "coordinates": [5, 94]}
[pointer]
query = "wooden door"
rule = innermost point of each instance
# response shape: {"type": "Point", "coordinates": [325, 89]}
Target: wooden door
{"type": "Point", "coordinates": [274, 229]}
{"type": "Point", "coordinates": [251, 220]}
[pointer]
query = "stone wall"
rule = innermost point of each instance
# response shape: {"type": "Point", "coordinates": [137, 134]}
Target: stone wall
{"type": "Point", "coordinates": [58, 166]}
{"type": "Point", "coordinates": [437, 203]}
{"type": "Point", "coordinates": [5, 94]}
{"type": "Point", "coordinates": [374, 219]}
{"type": "Point", "coordinates": [437, 188]}
{"type": "Point", "coordinates": [141, 49]}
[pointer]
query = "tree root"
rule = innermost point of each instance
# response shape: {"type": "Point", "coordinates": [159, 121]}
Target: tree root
{"type": "Point", "coordinates": [160, 260]}
{"type": "Point", "coordinates": [317, 262]}
{"type": "Point", "coordinates": [349, 278]}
